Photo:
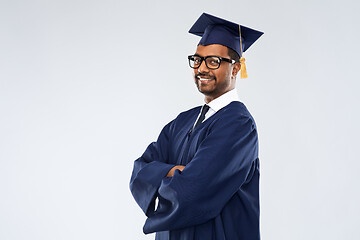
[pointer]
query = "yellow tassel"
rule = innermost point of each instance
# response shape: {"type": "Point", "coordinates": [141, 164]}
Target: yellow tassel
{"type": "Point", "coordinates": [243, 73]}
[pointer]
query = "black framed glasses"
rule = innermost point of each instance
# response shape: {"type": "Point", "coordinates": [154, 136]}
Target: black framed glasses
{"type": "Point", "coordinates": [212, 62]}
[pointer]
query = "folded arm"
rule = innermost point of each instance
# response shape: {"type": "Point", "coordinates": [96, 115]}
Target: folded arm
{"type": "Point", "coordinates": [149, 170]}
{"type": "Point", "coordinates": [221, 165]}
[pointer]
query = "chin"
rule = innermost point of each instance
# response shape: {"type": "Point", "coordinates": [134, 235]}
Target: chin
{"type": "Point", "coordinates": [205, 91]}
{"type": "Point", "coordinates": [210, 86]}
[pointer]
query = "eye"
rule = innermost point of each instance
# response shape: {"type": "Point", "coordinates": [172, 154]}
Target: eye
{"type": "Point", "coordinates": [213, 61]}
{"type": "Point", "coordinates": [196, 60]}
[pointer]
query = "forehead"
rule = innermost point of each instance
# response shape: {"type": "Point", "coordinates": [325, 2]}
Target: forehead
{"type": "Point", "coordinates": [213, 49]}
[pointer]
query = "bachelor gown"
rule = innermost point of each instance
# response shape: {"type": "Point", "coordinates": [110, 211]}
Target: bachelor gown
{"type": "Point", "coordinates": [216, 196]}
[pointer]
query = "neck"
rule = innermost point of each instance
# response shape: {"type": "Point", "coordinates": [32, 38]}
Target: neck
{"type": "Point", "coordinates": [210, 98]}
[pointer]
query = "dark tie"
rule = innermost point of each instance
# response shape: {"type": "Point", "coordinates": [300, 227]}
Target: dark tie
{"type": "Point", "coordinates": [204, 110]}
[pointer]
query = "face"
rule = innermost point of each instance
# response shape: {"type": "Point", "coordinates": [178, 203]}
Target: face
{"type": "Point", "coordinates": [215, 82]}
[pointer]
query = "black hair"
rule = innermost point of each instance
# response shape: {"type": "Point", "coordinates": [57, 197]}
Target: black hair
{"type": "Point", "coordinates": [233, 55]}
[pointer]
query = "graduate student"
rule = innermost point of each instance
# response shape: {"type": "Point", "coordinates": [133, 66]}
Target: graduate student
{"type": "Point", "coordinates": [204, 168]}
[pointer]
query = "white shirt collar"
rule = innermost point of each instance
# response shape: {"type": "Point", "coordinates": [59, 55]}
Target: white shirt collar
{"type": "Point", "coordinates": [220, 102]}
{"type": "Point", "coordinates": [223, 100]}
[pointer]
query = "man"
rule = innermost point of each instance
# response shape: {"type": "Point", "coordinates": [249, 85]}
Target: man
{"type": "Point", "coordinates": [204, 167]}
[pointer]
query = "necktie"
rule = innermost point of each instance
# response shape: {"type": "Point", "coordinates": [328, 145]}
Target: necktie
{"type": "Point", "coordinates": [202, 115]}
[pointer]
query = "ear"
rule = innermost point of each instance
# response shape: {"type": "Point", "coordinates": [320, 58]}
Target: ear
{"type": "Point", "coordinates": [236, 69]}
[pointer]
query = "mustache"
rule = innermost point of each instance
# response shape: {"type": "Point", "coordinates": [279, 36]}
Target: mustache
{"type": "Point", "coordinates": [198, 75]}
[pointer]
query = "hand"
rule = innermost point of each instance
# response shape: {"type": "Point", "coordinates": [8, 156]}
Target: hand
{"type": "Point", "coordinates": [171, 172]}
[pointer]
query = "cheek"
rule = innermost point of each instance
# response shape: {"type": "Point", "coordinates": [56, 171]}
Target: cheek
{"type": "Point", "coordinates": [223, 74]}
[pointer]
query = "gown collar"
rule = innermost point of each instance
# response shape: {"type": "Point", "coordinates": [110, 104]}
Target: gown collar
{"type": "Point", "coordinates": [224, 100]}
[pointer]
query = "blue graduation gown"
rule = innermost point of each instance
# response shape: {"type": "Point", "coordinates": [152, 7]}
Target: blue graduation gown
{"type": "Point", "coordinates": [216, 196]}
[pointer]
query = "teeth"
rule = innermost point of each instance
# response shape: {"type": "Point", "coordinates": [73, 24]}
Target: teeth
{"type": "Point", "coordinates": [205, 79]}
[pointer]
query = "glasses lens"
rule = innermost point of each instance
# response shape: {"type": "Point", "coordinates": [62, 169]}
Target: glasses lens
{"type": "Point", "coordinates": [213, 62]}
{"type": "Point", "coordinates": [195, 61]}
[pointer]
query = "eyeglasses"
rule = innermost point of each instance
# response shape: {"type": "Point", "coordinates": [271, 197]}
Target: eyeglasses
{"type": "Point", "coordinates": [212, 62]}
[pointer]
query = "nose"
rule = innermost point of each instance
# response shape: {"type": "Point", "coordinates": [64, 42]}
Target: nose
{"type": "Point", "coordinates": [203, 68]}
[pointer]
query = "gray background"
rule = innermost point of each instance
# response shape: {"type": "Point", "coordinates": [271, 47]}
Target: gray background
{"type": "Point", "coordinates": [85, 86]}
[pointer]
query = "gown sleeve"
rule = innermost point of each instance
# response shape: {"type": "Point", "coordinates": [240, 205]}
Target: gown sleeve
{"type": "Point", "coordinates": [223, 162]}
{"type": "Point", "coordinates": [149, 170]}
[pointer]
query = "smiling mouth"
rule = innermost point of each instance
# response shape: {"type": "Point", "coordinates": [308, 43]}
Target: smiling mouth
{"type": "Point", "coordinates": [204, 80]}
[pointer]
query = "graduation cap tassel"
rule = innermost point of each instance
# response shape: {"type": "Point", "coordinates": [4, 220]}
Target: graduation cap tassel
{"type": "Point", "coordinates": [243, 72]}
